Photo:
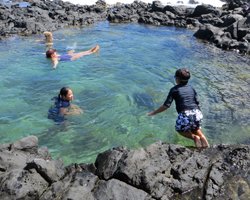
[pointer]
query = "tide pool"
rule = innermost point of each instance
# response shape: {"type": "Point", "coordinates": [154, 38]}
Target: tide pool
{"type": "Point", "coordinates": [130, 75]}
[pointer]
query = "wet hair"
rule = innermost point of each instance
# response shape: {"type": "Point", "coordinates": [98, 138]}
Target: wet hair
{"type": "Point", "coordinates": [63, 92]}
{"type": "Point", "coordinates": [183, 74]}
{"type": "Point", "coordinates": [50, 52]}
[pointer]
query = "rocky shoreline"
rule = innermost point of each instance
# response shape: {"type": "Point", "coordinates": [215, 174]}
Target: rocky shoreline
{"type": "Point", "coordinates": [160, 171]}
{"type": "Point", "coordinates": [227, 28]}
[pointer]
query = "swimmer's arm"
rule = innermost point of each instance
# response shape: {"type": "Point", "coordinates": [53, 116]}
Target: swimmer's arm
{"type": "Point", "coordinates": [72, 110]}
{"type": "Point", "coordinates": [158, 110]}
{"type": "Point", "coordinates": [54, 62]}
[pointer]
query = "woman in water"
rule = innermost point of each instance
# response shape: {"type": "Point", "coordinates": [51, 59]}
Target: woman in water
{"type": "Point", "coordinates": [70, 56]}
{"type": "Point", "coordinates": [63, 106]}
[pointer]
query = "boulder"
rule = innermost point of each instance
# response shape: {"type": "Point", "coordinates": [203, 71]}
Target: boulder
{"type": "Point", "coordinates": [240, 28]}
{"type": "Point", "coordinates": [207, 32]}
{"type": "Point", "coordinates": [159, 171]}
{"type": "Point", "coordinates": [180, 10]}
{"type": "Point", "coordinates": [205, 9]}
{"type": "Point", "coordinates": [157, 7]}
{"type": "Point", "coordinates": [40, 16]}
{"type": "Point", "coordinates": [230, 19]}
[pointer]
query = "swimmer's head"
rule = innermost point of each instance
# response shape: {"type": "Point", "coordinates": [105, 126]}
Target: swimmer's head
{"type": "Point", "coordinates": [66, 93]}
{"type": "Point", "coordinates": [48, 37]}
{"type": "Point", "coordinates": [50, 52]}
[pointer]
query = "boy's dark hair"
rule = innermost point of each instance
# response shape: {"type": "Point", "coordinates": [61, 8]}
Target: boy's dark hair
{"type": "Point", "coordinates": [63, 92]}
{"type": "Point", "coordinates": [50, 52]}
{"type": "Point", "coordinates": [183, 74]}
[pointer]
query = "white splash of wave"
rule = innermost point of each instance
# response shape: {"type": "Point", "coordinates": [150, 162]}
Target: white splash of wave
{"type": "Point", "coordinates": [216, 3]}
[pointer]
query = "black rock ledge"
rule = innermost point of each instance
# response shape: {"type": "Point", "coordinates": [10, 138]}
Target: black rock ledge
{"type": "Point", "coordinates": [227, 27]}
{"type": "Point", "coordinates": [160, 171]}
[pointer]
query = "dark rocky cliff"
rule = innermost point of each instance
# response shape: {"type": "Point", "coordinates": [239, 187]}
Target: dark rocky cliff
{"type": "Point", "coordinates": [160, 171]}
{"type": "Point", "coordinates": [227, 28]}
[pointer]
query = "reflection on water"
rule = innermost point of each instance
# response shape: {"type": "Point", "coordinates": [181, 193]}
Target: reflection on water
{"type": "Point", "coordinates": [130, 76]}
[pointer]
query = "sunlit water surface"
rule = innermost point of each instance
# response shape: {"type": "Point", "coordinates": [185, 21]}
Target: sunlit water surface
{"type": "Point", "coordinates": [130, 76]}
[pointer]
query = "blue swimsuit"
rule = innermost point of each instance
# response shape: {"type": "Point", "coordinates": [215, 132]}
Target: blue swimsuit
{"type": "Point", "coordinates": [54, 111]}
{"type": "Point", "coordinates": [65, 57]}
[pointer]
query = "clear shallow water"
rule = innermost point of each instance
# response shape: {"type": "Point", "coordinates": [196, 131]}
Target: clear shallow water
{"type": "Point", "coordinates": [130, 76]}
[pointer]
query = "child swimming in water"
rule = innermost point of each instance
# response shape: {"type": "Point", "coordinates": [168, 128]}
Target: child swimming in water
{"type": "Point", "coordinates": [62, 105]}
{"type": "Point", "coordinates": [70, 56]}
{"type": "Point", "coordinates": [189, 115]}
{"type": "Point", "coordinates": [48, 39]}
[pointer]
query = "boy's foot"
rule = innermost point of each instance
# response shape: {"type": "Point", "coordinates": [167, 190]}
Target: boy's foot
{"type": "Point", "coordinates": [204, 142]}
{"type": "Point", "coordinates": [95, 49]}
{"type": "Point", "coordinates": [197, 141]}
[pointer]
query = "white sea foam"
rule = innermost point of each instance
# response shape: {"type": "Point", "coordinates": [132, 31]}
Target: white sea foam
{"type": "Point", "coordinates": [216, 3]}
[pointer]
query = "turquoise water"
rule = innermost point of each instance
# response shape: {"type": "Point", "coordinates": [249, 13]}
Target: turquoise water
{"type": "Point", "coordinates": [130, 76]}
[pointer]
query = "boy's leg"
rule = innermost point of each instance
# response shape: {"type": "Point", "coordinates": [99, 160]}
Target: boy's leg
{"type": "Point", "coordinates": [95, 49]}
{"type": "Point", "coordinates": [85, 53]}
{"type": "Point", "coordinates": [192, 136]}
{"type": "Point", "coordinates": [203, 139]}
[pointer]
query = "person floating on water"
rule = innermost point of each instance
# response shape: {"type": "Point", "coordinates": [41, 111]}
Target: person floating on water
{"type": "Point", "coordinates": [187, 105]}
{"type": "Point", "coordinates": [70, 56]}
{"type": "Point", "coordinates": [62, 105]}
{"type": "Point", "coordinates": [48, 39]}
{"type": "Point", "coordinates": [51, 53]}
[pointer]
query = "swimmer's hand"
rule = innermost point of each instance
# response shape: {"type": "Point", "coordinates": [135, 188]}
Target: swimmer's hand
{"type": "Point", "coordinates": [151, 113]}
{"type": "Point", "coordinates": [158, 110]}
{"type": "Point", "coordinates": [74, 110]}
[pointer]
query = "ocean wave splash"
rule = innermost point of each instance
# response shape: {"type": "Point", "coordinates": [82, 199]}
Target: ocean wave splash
{"type": "Point", "coordinates": [216, 3]}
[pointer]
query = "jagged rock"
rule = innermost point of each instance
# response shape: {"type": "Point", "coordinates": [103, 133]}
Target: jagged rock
{"type": "Point", "coordinates": [115, 189]}
{"type": "Point", "coordinates": [76, 186]}
{"type": "Point", "coordinates": [29, 143]}
{"type": "Point", "coordinates": [193, 2]}
{"type": "Point", "coordinates": [205, 9]}
{"type": "Point", "coordinates": [157, 6]}
{"type": "Point", "coordinates": [180, 10]}
{"type": "Point", "coordinates": [230, 19]}
{"type": "Point", "coordinates": [106, 162]}
{"type": "Point", "coordinates": [159, 171]}
{"type": "Point", "coordinates": [21, 184]}
{"type": "Point", "coordinates": [51, 171]}
{"type": "Point", "coordinates": [43, 15]}
{"type": "Point", "coordinates": [240, 28]}
{"type": "Point", "coordinates": [207, 32]}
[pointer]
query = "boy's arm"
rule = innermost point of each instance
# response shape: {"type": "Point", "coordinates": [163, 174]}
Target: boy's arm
{"type": "Point", "coordinates": [159, 110]}
{"type": "Point", "coordinates": [54, 62]}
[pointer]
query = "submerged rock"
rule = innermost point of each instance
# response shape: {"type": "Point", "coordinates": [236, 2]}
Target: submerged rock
{"type": "Point", "coordinates": [160, 171]}
{"type": "Point", "coordinates": [144, 100]}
